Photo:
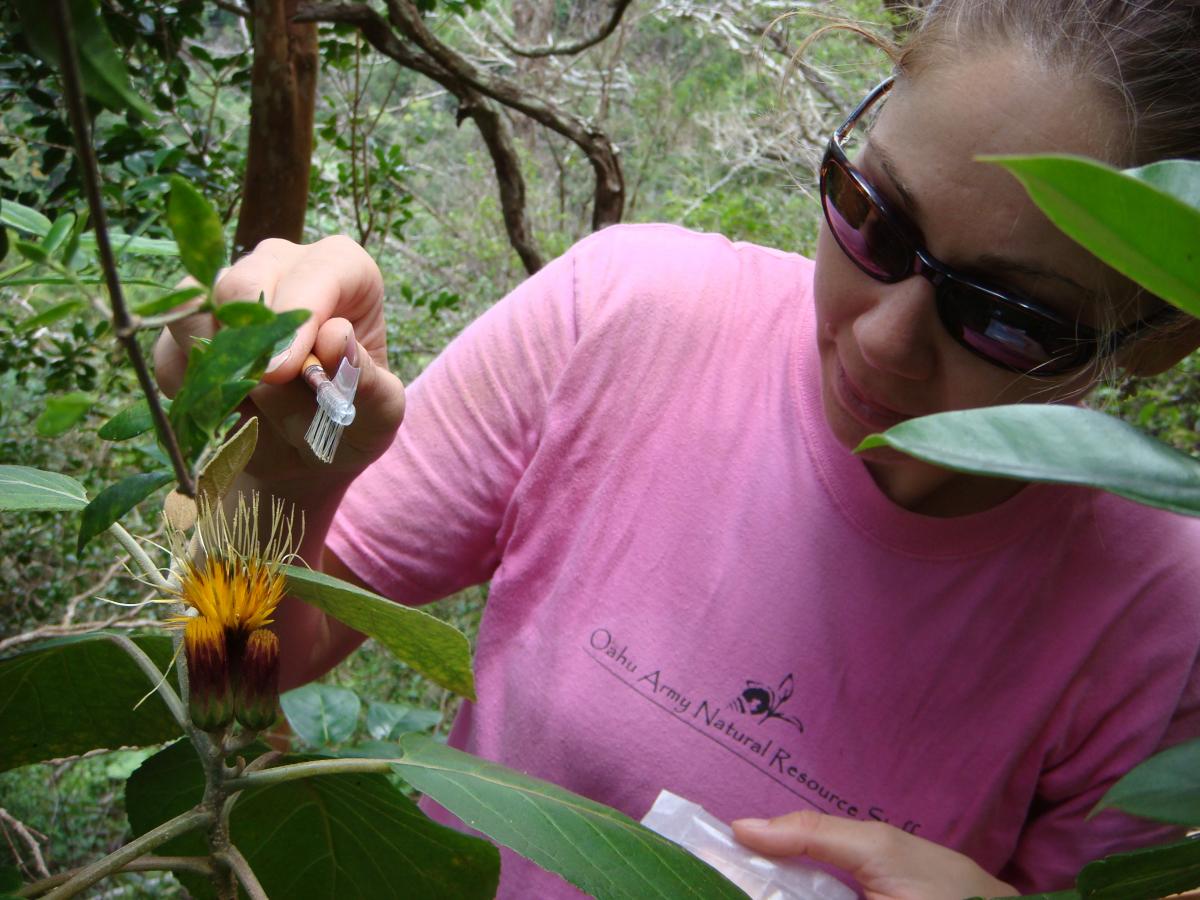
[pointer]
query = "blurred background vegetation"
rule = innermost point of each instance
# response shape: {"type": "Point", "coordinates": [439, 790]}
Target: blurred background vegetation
{"type": "Point", "coordinates": [716, 125]}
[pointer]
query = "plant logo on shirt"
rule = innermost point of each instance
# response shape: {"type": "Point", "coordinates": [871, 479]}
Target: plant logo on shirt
{"type": "Point", "coordinates": [760, 699]}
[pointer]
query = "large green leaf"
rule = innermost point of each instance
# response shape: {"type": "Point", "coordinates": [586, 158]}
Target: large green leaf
{"type": "Point", "coordinates": [387, 721]}
{"type": "Point", "coordinates": [23, 487]}
{"type": "Point", "coordinates": [597, 849]}
{"type": "Point", "coordinates": [1154, 872]}
{"type": "Point", "coordinates": [75, 694]}
{"type": "Point", "coordinates": [1046, 442]}
{"type": "Point", "coordinates": [1178, 177]}
{"type": "Point", "coordinates": [322, 714]}
{"type": "Point", "coordinates": [197, 230]}
{"type": "Point", "coordinates": [1126, 219]}
{"type": "Point", "coordinates": [101, 70]}
{"type": "Point", "coordinates": [1165, 788]}
{"type": "Point", "coordinates": [437, 650]}
{"type": "Point", "coordinates": [115, 500]}
{"type": "Point", "coordinates": [332, 836]}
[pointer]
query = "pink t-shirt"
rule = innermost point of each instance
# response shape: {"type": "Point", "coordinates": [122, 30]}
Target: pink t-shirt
{"type": "Point", "coordinates": [695, 587]}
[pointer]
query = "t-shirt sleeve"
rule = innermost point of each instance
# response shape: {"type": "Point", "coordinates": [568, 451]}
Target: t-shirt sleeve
{"type": "Point", "coordinates": [1158, 710]}
{"type": "Point", "coordinates": [423, 521]}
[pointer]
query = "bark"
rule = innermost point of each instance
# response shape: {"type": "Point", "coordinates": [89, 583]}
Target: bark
{"type": "Point", "coordinates": [282, 99]}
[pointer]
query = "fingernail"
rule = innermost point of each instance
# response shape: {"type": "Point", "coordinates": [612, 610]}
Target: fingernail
{"type": "Point", "coordinates": [351, 351]}
{"type": "Point", "coordinates": [278, 360]}
{"type": "Point", "coordinates": [752, 824]}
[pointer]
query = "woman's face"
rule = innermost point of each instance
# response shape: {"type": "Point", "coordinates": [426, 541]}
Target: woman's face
{"type": "Point", "coordinates": [884, 354]}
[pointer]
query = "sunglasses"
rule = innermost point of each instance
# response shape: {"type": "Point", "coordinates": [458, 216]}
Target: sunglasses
{"type": "Point", "coordinates": [1004, 328]}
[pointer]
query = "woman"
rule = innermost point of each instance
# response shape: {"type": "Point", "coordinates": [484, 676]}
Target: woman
{"type": "Point", "coordinates": [924, 678]}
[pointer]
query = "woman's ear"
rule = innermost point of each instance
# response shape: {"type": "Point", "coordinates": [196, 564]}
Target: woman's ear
{"type": "Point", "coordinates": [1158, 350]}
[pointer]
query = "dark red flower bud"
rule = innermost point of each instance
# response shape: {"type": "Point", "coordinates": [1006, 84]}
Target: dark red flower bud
{"type": "Point", "coordinates": [257, 691]}
{"type": "Point", "coordinates": [210, 698]}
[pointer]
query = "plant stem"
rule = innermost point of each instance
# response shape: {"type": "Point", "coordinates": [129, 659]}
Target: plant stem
{"type": "Point", "coordinates": [124, 327]}
{"type": "Point", "coordinates": [233, 857]}
{"type": "Point", "coordinates": [296, 771]}
{"type": "Point", "coordinates": [157, 678]}
{"type": "Point", "coordinates": [118, 859]}
{"type": "Point", "coordinates": [198, 864]}
{"type": "Point", "coordinates": [153, 575]}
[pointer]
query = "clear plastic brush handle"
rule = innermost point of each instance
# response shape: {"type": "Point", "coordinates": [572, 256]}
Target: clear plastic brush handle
{"type": "Point", "coordinates": [336, 397]}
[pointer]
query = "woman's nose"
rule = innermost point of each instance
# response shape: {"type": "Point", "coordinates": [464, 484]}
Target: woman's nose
{"type": "Point", "coordinates": [897, 335]}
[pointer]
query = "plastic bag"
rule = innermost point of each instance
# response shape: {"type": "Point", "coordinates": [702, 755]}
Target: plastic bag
{"type": "Point", "coordinates": [710, 839]}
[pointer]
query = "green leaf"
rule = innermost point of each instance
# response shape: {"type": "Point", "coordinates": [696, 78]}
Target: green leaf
{"type": "Point", "coordinates": [1125, 219]}
{"type": "Point", "coordinates": [116, 500]}
{"type": "Point", "coordinates": [62, 413]}
{"type": "Point", "coordinates": [101, 70]}
{"type": "Point", "coordinates": [22, 487]}
{"type": "Point", "coordinates": [133, 420]}
{"type": "Point", "coordinates": [1165, 788]}
{"type": "Point", "coordinates": [1048, 442]}
{"type": "Point", "coordinates": [228, 462]}
{"type": "Point", "coordinates": [126, 244]}
{"type": "Point", "coordinates": [197, 230]}
{"type": "Point", "coordinates": [51, 315]}
{"type": "Point", "coordinates": [229, 356]}
{"type": "Point", "coordinates": [58, 232]}
{"type": "Point", "coordinates": [1178, 177]}
{"type": "Point", "coordinates": [35, 253]}
{"type": "Point", "coordinates": [241, 313]}
{"type": "Point", "coordinates": [170, 301]}
{"type": "Point", "coordinates": [1154, 872]}
{"type": "Point", "coordinates": [389, 720]}
{"type": "Point", "coordinates": [24, 218]}
{"type": "Point", "coordinates": [322, 714]}
{"type": "Point", "coordinates": [437, 650]}
{"type": "Point", "coordinates": [75, 694]}
{"type": "Point", "coordinates": [599, 850]}
{"type": "Point", "coordinates": [331, 836]}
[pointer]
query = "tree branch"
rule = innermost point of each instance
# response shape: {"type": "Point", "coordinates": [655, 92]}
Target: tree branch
{"type": "Point", "coordinates": [234, 859]}
{"type": "Point", "coordinates": [296, 771]}
{"type": "Point", "coordinates": [579, 46]}
{"type": "Point", "coordinates": [235, 8]}
{"type": "Point", "coordinates": [118, 859]}
{"type": "Point", "coordinates": [123, 326]}
{"type": "Point", "coordinates": [198, 864]}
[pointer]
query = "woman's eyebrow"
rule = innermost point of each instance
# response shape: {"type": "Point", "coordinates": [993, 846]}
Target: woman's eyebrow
{"type": "Point", "coordinates": [992, 262]}
{"type": "Point", "coordinates": [889, 169]}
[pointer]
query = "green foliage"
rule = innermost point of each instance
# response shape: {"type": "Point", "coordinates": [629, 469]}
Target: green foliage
{"type": "Point", "coordinates": [322, 714]}
{"type": "Point", "coordinates": [23, 487]}
{"type": "Point", "coordinates": [430, 646]}
{"type": "Point", "coordinates": [77, 694]}
{"type": "Point", "coordinates": [197, 230]}
{"type": "Point", "coordinates": [1165, 787]}
{"type": "Point", "coordinates": [596, 848]}
{"type": "Point", "coordinates": [112, 503]}
{"type": "Point", "coordinates": [334, 836]}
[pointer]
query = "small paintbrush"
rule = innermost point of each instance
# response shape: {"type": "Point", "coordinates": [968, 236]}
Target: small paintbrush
{"type": "Point", "coordinates": [335, 405]}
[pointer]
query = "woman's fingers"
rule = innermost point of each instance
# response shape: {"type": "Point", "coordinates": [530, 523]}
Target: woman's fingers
{"type": "Point", "coordinates": [889, 864]}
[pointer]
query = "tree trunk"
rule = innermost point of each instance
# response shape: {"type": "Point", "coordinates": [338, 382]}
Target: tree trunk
{"type": "Point", "coordinates": [282, 98]}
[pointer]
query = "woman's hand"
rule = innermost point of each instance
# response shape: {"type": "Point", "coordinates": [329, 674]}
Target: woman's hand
{"type": "Point", "coordinates": [889, 864]}
{"type": "Point", "coordinates": [341, 285]}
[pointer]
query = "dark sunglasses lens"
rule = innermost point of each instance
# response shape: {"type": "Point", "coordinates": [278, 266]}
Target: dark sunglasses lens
{"type": "Point", "coordinates": [860, 229]}
{"type": "Point", "coordinates": [1007, 334]}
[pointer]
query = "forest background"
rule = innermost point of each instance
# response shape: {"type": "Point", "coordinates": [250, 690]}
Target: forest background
{"type": "Point", "coordinates": [715, 124]}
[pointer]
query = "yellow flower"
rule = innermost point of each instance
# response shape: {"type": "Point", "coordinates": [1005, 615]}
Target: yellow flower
{"type": "Point", "coordinates": [234, 589]}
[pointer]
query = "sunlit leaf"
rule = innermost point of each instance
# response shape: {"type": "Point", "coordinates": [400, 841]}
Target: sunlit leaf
{"type": "Point", "coordinates": [22, 487]}
{"type": "Point", "coordinates": [1126, 219]}
{"type": "Point", "coordinates": [390, 720]}
{"type": "Point", "coordinates": [170, 301]}
{"type": "Point", "coordinates": [327, 837]}
{"type": "Point", "coordinates": [197, 230]}
{"type": "Point", "coordinates": [24, 218]}
{"type": "Point", "coordinates": [71, 695]}
{"type": "Point", "coordinates": [1165, 788]}
{"type": "Point", "coordinates": [322, 714]}
{"type": "Point", "coordinates": [62, 413]}
{"type": "Point", "coordinates": [115, 500]}
{"type": "Point", "coordinates": [243, 312]}
{"type": "Point", "coordinates": [597, 849]}
{"type": "Point", "coordinates": [437, 650]}
{"type": "Point", "coordinates": [58, 233]}
{"type": "Point", "coordinates": [1050, 442]}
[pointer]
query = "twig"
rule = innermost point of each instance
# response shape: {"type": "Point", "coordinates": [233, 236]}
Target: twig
{"type": "Point", "coordinates": [123, 326]}
{"type": "Point", "coordinates": [146, 664]}
{"type": "Point", "coordinates": [127, 540]}
{"type": "Point", "coordinates": [29, 836]}
{"type": "Point", "coordinates": [118, 859]}
{"type": "Point", "coordinates": [198, 864]}
{"type": "Point", "coordinates": [235, 8]}
{"type": "Point", "coordinates": [579, 46]}
{"type": "Point", "coordinates": [234, 859]}
{"type": "Point", "coordinates": [51, 631]}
